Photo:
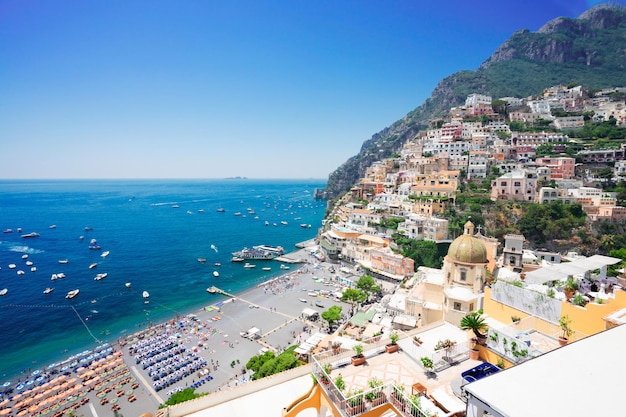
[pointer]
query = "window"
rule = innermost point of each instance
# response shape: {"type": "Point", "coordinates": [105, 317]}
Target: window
{"type": "Point", "coordinates": [463, 275]}
{"type": "Point", "coordinates": [457, 306]}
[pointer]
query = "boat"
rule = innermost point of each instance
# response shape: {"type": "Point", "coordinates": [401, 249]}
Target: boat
{"type": "Point", "coordinates": [99, 277]}
{"type": "Point", "coordinates": [146, 296]}
{"type": "Point", "coordinates": [12, 266]}
{"type": "Point", "coordinates": [48, 290]}
{"type": "Point", "coordinates": [29, 263]}
{"type": "Point", "coordinates": [25, 256]}
{"type": "Point", "coordinates": [216, 274]}
{"type": "Point", "coordinates": [238, 213]}
{"type": "Point", "coordinates": [201, 211]}
{"type": "Point", "coordinates": [4, 291]}
{"type": "Point", "coordinates": [63, 261]}
{"type": "Point", "coordinates": [303, 300]}
{"type": "Point", "coordinates": [284, 223]}
{"type": "Point", "coordinates": [175, 206]}
{"type": "Point", "coordinates": [214, 248]}
{"type": "Point", "coordinates": [202, 260]}
{"type": "Point", "coordinates": [19, 230]}
{"type": "Point", "coordinates": [211, 290]}
{"type": "Point", "coordinates": [189, 212]}
{"type": "Point", "coordinates": [60, 275]}
{"type": "Point", "coordinates": [7, 231]}
{"type": "Point", "coordinates": [266, 268]}
{"type": "Point", "coordinates": [20, 272]}
{"type": "Point", "coordinates": [127, 285]}
{"type": "Point", "coordinates": [72, 294]}
{"type": "Point", "coordinates": [54, 277]}
{"type": "Point", "coordinates": [87, 228]}
{"type": "Point", "coordinates": [267, 223]}
{"type": "Point", "coordinates": [284, 267]}
{"type": "Point", "coordinates": [220, 210]}
{"type": "Point", "coordinates": [260, 252]}
{"type": "Point", "coordinates": [217, 264]}
{"type": "Point", "coordinates": [248, 265]}
{"type": "Point", "coordinates": [105, 253]}
{"type": "Point", "coordinates": [33, 268]}
{"type": "Point", "coordinates": [95, 247]}
{"type": "Point", "coordinates": [236, 259]}
{"type": "Point", "coordinates": [52, 226]}
{"type": "Point", "coordinates": [93, 265]}
{"type": "Point", "coordinates": [31, 234]}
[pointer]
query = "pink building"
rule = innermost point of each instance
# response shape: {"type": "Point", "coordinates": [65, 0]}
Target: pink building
{"type": "Point", "coordinates": [560, 168]}
{"type": "Point", "coordinates": [391, 264]}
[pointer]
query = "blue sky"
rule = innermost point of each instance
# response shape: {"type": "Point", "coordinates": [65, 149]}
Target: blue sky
{"type": "Point", "coordinates": [212, 89]}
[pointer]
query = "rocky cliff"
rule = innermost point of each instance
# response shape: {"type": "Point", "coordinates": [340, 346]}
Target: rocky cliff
{"type": "Point", "coordinates": [590, 50]}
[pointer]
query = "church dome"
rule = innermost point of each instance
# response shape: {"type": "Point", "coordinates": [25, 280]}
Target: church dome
{"type": "Point", "coordinates": [467, 248]}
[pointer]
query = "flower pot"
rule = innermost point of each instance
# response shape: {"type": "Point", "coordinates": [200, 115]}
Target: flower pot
{"type": "Point", "coordinates": [474, 354]}
{"type": "Point", "coordinates": [355, 409]}
{"type": "Point", "coordinates": [562, 340]}
{"type": "Point", "coordinates": [358, 360]}
{"type": "Point", "coordinates": [391, 348]}
{"type": "Point", "coordinates": [381, 399]}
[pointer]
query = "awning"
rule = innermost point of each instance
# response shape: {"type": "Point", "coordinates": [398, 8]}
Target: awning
{"type": "Point", "coordinates": [253, 331]}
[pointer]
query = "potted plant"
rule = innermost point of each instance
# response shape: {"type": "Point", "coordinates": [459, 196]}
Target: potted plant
{"type": "Point", "coordinates": [515, 319]}
{"type": "Point", "coordinates": [355, 403]}
{"type": "Point", "coordinates": [427, 363]}
{"type": "Point", "coordinates": [327, 368]}
{"type": "Point", "coordinates": [417, 341]}
{"type": "Point", "coordinates": [570, 288]}
{"type": "Point", "coordinates": [446, 345]}
{"type": "Point", "coordinates": [393, 346]}
{"type": "Point", "coordinates": [567, 331]}
{"type": "Point", "coordinates": [358, 358]}
{"type": "Point", "coordinates": [376, 396]}
{"type": "Point", "coordinates": [397, 397]}
{"type": "Point", "coordinates": [475, 322]}
{"type": "Point", "coordinates": [474, 353]}
{"type": "Point", "coordinates": [334, 346]}
{"type": "Point", "coordinates": [340, 383]}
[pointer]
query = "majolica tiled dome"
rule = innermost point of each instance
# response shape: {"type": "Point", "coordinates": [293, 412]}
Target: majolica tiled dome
{"type": "Point", "coordinates": [467, 248]}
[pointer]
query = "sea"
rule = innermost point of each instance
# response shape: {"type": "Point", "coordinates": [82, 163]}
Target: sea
{"type": "Point", "coordinates": [155, 232]}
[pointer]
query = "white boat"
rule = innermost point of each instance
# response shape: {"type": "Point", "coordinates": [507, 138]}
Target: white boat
{"type": "Point", "coordinates": [33, 269]}
{"type": "Point", "coordinates": [249, 265]}
{"type": "Point", "coordinates": [214, 248]}
{"type": "Point", "coordinates": [145, 294]}
{"type": "Point", "coordinates": [20, 272]}
{"type": "Point", "coordinates": [7, 231]}
{"type": "Point", "coordinates": [221, 210]}
{"type": "Point", "coordinates": [52, 226]}
{"type": "Point", "coordinates": [72, 294]}
{"type": "Point", "coordinates": [105, 254]}
{"type": "Point", "coordinates": [93, 241]}
{"type": "Point", "coordinates": [25, 256]}
{"type": "Point", "coordinates": [4, 291]}
{"type": "Point", "coordinates": [217, 264]}
{"type": "Point", "coordinates": [202, 260]}
{"type": "Point", "coordinates": [175, 206]}
{"type": "Point", "coordinates": [99, 277]}
{"type": "Point", "coordinates": [12, 266]}
{"type": "Point", "coordinates": [284, 267]}
{"type": "Point", "coordinates": [267, 223]}
{"type": "Point", "coordinates": [60, 275]}
{"type": "Point", "coordinates": [201, 211]}
{"type": "Point", "coordinates": [266, 268]}
{"type": "Point", "coordinates": [303, 300]}
{"type": "Point", "coordinates": [284, 223]}
{"type": "Point", "coordinates": [54, 277]}
{"type": "Point", "coordinates": [93, 265]}
{"type": "Point", "coordinates": [211, 290]}
{"type": "Point", "coordinates": [48, 290]}
{"type": "Point", "coordinates": [238, 213]}
{"type": "Point", "coordinates": [32, 234]}
{"type": "Point", "coordinates": [216, 274]}
{"type": "Point", "coordinates": [127, 285]}
{"type": "Point", "coordinates": [29, 263]}
{"type": "Point", "coordinates": [63, 261]}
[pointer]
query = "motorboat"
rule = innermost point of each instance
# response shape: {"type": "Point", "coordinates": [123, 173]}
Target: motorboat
{"type": "Point", "coordinates": [54, 277]}
{"type": "Point", "coordinates": [33, 269]}
{"type": "Point", "coordinates": [236, 259]}
{"type": "Point", "coordinates": [216, 274]}
{"type": "Point", "coordinates": [284, 223]}
{"type": "Point", "coordinates": [72, 294]}
{"type": "Point", "coordinates": [60, 275]}
{"type": "Point", "coordinates": [25, 256]}
{"type": "Point", "coordinates": [202, 260]}
{"type": "Point", "coordinates": [249, 265]}
{"type": "Point", "coordinates": [146, 297]}
{"type": "Point", "coordinates": [214, 248]}
{"type": "Point", "coordinates": [31, 234]}
{"type": "Point", "coordinates": [87, 228]}
{"type": "Point", "coordinates": [175, 206]}
{"type": "Point", "coordinates": [99, 277]}
{"type": "Point", "coordinates": [217, 264]}
{"type": "Point", "coordinates": [267, 223]}
{"type": "Point", "coordinates": [7, 231]}
{"type": "Point", "coordinates": [105, 254]}
{"type": "Point", "coordinates": [93, 241]}
{"type": "Point", "coordinates": [48, 290]}
{"type": "Point", "coordinates": [266, 268]}
{"type": "Point", "coordinates": [238, 213]}
{"type": "Point", "coordinates": [4, 291]}
{"type": "Point", "coordinates": [127, 285]}
{"type": "Point", "coordinates": [211, 290]}
{"type": "Point", "coordinates": [95, 247]}
{"type": "Point", "coordinates": [93, 265]}
{"type": "Point", "coordinates": [284, 266]}
{"type": "Point", "coordinates": [28, 263]}
{"type": "Point", "coordinates": [63, 261]}
{"type": "Point", "coordinates": [221, 210]}
{"type": "Point", "coordinates": [12, 266]}
{"type": "Point", "coordinates": [20, 272]}
{"type": "Point", "coordinates": [52, 226]}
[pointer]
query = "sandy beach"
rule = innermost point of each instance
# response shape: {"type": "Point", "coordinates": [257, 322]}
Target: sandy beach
{"type": "Point", "coordinates": [207, 349]}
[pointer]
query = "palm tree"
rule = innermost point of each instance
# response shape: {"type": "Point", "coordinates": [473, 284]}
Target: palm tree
{"type": "Point", "coordinates": [475, 322]}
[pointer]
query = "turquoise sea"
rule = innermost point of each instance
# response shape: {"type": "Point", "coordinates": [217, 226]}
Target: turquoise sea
{"type": "Point", "coordinates": [154, 231]}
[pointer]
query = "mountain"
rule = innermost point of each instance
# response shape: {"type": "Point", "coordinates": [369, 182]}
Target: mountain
{"type": "Point", "coordinates": [589, 50]}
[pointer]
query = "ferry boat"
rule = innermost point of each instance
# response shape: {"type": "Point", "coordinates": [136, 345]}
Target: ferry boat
{"type": "Point", "coordinates": [72, 294]}
{"type": "Point", "coordinates": [260, 252]}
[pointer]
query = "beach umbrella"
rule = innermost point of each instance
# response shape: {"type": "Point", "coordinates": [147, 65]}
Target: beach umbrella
{"type": "Point", "coordinates": [146, 415]}
{"type": "Point", "coordinates": [23, 412]}
{"type": "Point", "coordinates": [33, 408]}
{"type": "Point", "coordinates": [4, 402]}
{"type": "Point", "coordinates": [5, 411]}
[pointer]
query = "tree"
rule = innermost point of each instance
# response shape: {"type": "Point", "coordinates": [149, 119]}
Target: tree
{"type": "Point", "coordinates": [475, 322]}
{"type": "Point", "coordinates": [354, 297]}
{"type": "Point", "coordinates": [368, 284]}
{"type": "Point", "coordinates": [332, 315]}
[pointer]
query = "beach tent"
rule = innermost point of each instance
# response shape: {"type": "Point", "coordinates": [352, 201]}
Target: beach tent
{"type": "Point", "coordinates": [308, 312]}
{"type": "Point", "coordinates": [253, 331]}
